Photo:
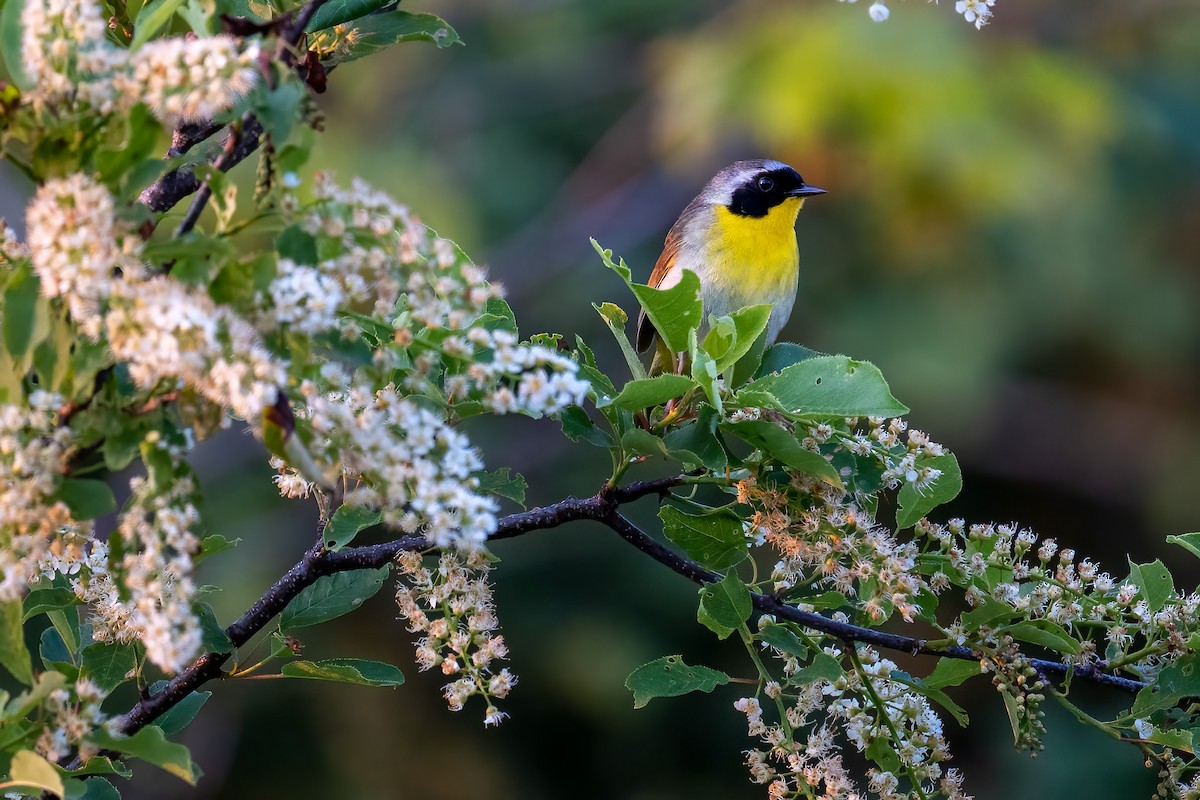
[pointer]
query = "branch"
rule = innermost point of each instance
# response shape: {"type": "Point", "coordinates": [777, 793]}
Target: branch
{"type": "Point", "coordinates": [604, 508]}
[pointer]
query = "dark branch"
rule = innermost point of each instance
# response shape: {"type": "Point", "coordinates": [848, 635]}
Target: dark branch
{"type": "Point", "coordinates": [603, 507]}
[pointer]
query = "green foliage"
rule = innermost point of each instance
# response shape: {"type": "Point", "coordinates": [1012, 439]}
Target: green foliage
{"type": "Point", "coordinates": [332, 596]}
{"type": "Point", "coordinates": [724, 606]}
{"type": "Point", "coordinates": [150, 745]}
{"type": "Point", "coordinates": [345, 670]}
{"type": "Point", "coordinates": [346, 523]}
{"type": "Point", "coordinates": [669, 676]}
{"type": "Point", "coordinates": [715, 539]}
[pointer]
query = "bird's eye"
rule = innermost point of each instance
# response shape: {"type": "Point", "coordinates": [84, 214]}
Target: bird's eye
{"type": "Point", "coordinates": [765, 184]}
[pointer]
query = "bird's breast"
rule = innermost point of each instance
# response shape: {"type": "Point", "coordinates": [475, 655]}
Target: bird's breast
{"type": "Point", "coordinates": [753, 260]}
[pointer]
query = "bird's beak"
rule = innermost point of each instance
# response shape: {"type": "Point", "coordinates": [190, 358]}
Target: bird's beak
{"type": "Point", "coordinates": [806, 191]}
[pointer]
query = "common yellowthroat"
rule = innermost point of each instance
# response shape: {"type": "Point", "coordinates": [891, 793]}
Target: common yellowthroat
{"type": "Point", "coordinates": [738, 236]}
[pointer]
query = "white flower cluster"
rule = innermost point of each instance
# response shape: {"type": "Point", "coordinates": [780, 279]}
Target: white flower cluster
{"type": "Point", "coordinates": [452, 607]}
{"type": "Point", "coordinates": [87, 570]}
{"type": "Point", "coordinates": [166, 330]}
{"type": "Point", "coordinates": [73, 714]}
{"type": "Point", "coordinates": [159, 530]}
{"type": "Point", "coordinates": [67, 55]}
{"type": "Point", "coordinates": [407, 461]}
{"type": "Point", "coordinates": [304, 299]}
{"type": "Point", "coordinates": [77, 245]}
{"type": "Point", "coordinates": [801, 756]}
{"type": "Point", "coordinates": [10, 247]}
{"type": "Point", "coordinates": [33, 452]}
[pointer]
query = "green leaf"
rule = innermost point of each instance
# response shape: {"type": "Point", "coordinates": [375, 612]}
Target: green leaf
{"type": "Point", "coordinates": [696, 442]}
{"type": "Point", "coordinates": [884, 754]}
{"type": "Point", "coordinates": [704, 372]}
{"type": "Point", "coordinates": [1176, 681]}
{"type": "Point", "coordinates": [654, 391]}
{"type": "Point", "coordinates": [182, 713]}
{"type": "Point", "coordinates": [39, 601]}
{"type": "Point", "coordinates": [782, 355]}
{"type": "Point", "coordinates": [639, 442]}
{"type": "Point", "coordinates": [87, 498]}
{"type": "Point", "coordinates": [345, 670]}
{"type": "Point", "coordinates": [731, 337]}
{"type": "Point", "coordinates": [339, 11]}
{"type": "Point", "coordinates": [1188, 541]}
{"type": "Point", "coordinates": [346, 522]}
{"type": "Point", "coordinates": [30, 769]}
{"type": "Point", "coordinates": [150, 745]}
{"type": "Point", "coordinates": [26, 317]}
{"type": "Point", "coordinates": [670, 677]}
{"type": "Point", "coordinates": [826, 386]}
{"type": "Point", "coordinates": [952, 672]}
{"type": "Point", "coordinates": [989, 612]}
{"type": "Point", "coordinates": [26, 701]}
{"type": "Point", "coordinates": [504, 483]}
{"type": "Point", "coordinates": [211, 545]}
{"type": "Point", "coordinates": [823, 667]}
{"type": "Point", "coordinates": [152, 18]}
{"type": "Point", "coordinates": [13, 653]}
{"type": "Point", "coordinates": [99, 789]}
{"type": "Point", "coordinates": [1044, 633]}
{"type": "Point", "coordinates": [332, 596]}
{"type": "Point", "coordinates": [214, 638]}
{"type": "Point", "coordinates": [277, 108]}
{"type": "Point", "coordinates": [933, 693]}
{"type": "Point", "coordinates": [724, 605]}
{"type": "Point", "coordinates": [1155, 583]}
{"type": "Point", "coordinates": [783, 640]}
{"type": "Point", "coordinates": [717, 541]}
{"type": "Point", "coordinates": [11, 33]}
{"type": "Point", "coordinates": [55, 653]}
{"type": "Point", "coordinates": [916, 504]}
{"type": "Point", "coordinates": [103, 765]}
{"type": "Point", "coordinates": [108, 665]}
{"type": "Point", "coordinates": [782, 446]}
{"type": "Point", "coordinates": [674, 312]}
{"type": "Point", "coordinates": [379, 31]}
{"type": "Point", "coordinates": [1014, 715]}
{"type": "Point", "coordinates": [578, 426]}
{"type": "Point", "coordinates": [615, 318]}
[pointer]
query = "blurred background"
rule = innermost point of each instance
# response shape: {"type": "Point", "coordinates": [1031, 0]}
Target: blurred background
{"type": "Point", "coordinates": [1012, 234]}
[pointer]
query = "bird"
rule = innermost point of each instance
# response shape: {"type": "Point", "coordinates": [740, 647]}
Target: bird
{"type": "Point", "coordinates": [738, 236]}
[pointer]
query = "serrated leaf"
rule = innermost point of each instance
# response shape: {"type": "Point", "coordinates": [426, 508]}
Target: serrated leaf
{"type": "Point", "coordinates": [782, 355]}
{"type": "Point", "coordinates": [211, 545]}
{"type": "Point", "coordinates": [11, 34]}
{"type": "Point", "coordinates": [825, 386]}
{"type": "Point", "coordinates": [108, 665]}
{"type": "Point", "coordinates": [1155, 582]}
{"type": "Point", "coordinates": [150, 745]}
{"type": "Point", "coordinates": [152, 18]}
{"type": "Point", "coordinates": [783, 447]}
{"type": "Point", "coordinates": [39, 601]}
{"type": "Point", "coordinates": [916, 504]}
{"type": "Point", "coordinates": [1176, 681]}
{"type": "Point", "coordinates": [952, 672]}
{"type": "Point", "coordinates": [30, 769]}
{"type": "Point", "coordinates": [504, 483]}
{"type": "Point", "coordinates": [213, 637]}
{"type": "Point", "coordinates": [783, 640]}
{"type": "Point", "coordinates": [379, 31]}
{"type": "Point", "coordinates": [1044, 633]}
{"type": "Point", "coordinates": [674, 312]}
{"type": "Point", "coordinates": [716, 540]}
{"type": "Point", "coordinates": [99, 789]}
{"type": "Point", "coordinates": [639, 442]}
{"type": "Point", "coordinates": [1188, 541]}
{"type": "Point", "coordinates": [26, 317]}
{"type": "Point", "coordinates": [823, 667]}
{"type": "Point", "coordinates": [615, 318]}
{"type": "Point", "coordinates": [13, 653]}
{"type": "Point", "coordinates": [724, 605]}
{"type": "Point", "coordinates": [731, 337]}
{"type": "Point", "coordinates": [578, 426]}
{"type": "Point", "coordinates": [87, 498]}
{"type": "Point", "coordinates": [180, 715]}
{"type": "Point", "coordinates": [339, 11]}
{"type": "Point", "coordinates": [696, 442]}
{"type": "Point", "coordinates": [346, 523]}
{"type": "Point", "coordinates": [649, 392]}
{"type": "Point", "coordinates": [345, 670]}
{"type": "Point", "coordinates": [669, 676]}
{"type": "Point", "coordinates": [332, 596]}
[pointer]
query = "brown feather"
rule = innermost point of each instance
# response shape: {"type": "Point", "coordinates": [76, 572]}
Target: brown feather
{"type": "Point", "coordinates": [666, 260]}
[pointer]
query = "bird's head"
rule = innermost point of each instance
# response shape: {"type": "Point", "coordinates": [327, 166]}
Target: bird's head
{"type": "Point", "coordinates": [754, 188]}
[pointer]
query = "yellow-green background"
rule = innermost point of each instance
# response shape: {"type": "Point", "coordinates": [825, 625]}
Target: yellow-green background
{"type": "Point", "coordinates": [1012, 234]}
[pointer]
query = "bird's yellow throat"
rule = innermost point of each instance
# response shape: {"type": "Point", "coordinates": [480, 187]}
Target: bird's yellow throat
{"type": "Point", "coordinates": [757, 253]}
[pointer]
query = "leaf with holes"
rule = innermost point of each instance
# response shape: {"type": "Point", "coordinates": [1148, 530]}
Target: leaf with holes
{"type": "Point", "coordinates": [825, 386]}
{"type": "Point", "coordinates": [916, 503]}
{"type": "Point", "coordinates": [724, 606]}
{"type": "Point", "coordinates": [332, 596]}
{"type": "Point", "coordinates": [670, 677]}
{"type": "Point", "coordinates": [715, 540]}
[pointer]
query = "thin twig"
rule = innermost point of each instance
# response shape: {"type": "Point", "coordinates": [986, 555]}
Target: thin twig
{"type": "Point", "coordinates": [603, 507]}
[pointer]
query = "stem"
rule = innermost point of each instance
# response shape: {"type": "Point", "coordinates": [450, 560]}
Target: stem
{"type": "Point", "coordinates": [881, 707]}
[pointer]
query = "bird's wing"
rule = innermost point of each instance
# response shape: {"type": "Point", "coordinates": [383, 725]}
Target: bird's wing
{"type": "Point", "coordinates": [662, 267]}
